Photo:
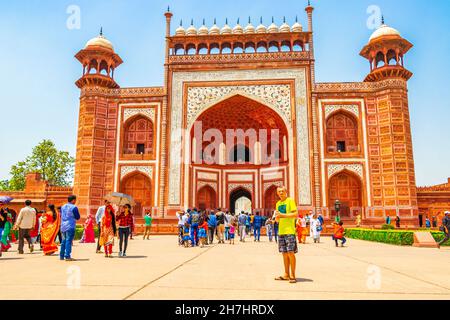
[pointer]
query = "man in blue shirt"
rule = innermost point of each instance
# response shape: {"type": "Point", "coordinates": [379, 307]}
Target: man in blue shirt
{"type": "Point", "coordinates": [212, 224]}
{"type": "Point", "coordinates": [69, 217]}
{"type": "Point", "coordinates": [242, 221]}
{"type": "Point", "coordinates": [193, 221]}
{"type": "Point", "coordinates": [257, 224]}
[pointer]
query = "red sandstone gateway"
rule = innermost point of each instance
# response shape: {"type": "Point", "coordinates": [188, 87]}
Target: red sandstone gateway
{"type": "Point", "coordinates": [335, 141]}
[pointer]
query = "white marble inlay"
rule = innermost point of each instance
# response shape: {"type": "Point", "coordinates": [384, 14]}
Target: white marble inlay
{"type": "Point", "coordinates": [335, 168]}
{"type": "Point", "coordinates": [240, 177]}
{"type": "Point", "coordinates": [354, 109]}
{"type": "Point", "coordinates": [131, 112]}
{"type": "Point", "coordinates": [301, 112]}
{"type": "Point", "coordinates": [128, 169]}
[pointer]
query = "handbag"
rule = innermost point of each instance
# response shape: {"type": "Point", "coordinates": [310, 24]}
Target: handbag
{"type": "Point", "coordinates": [319, 228]}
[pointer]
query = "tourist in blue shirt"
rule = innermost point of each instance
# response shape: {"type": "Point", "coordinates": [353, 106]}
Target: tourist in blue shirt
{"type": "Point", "coordinates": [275, 230]}
{"type": "Point", "coordinates": [69, 217]}
{"type": "Point", "coordinates": [242, 221]}
{"type": "Point", "coordinates": [194, 219]}
{"type": "Point", "coordinates": [257, 224]}
{"type": "Point", "coordinates": [320, 218]}
{"type": "Point", "coordinates": [212, 225]}
{"type": "Point", "coordinates": [248, 225]}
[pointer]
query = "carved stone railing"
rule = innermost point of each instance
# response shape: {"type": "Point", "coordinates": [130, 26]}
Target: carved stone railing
{"type": "Point", "coordinates": [124, 92]}
{"type": "Point", "coordinates": [240, 57]}
{"type": "Point", "coordinates": [332, 87]}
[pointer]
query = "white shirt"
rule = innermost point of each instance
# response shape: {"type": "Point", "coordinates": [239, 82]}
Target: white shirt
{"type": "Point", "coordinates": [228, 220]}
{"type": "Point", "coordinates": [99, 214]}
{"type": "Point", "coordinates": [26, 218]}
{"type": "Point", "coordinates": [182, 219]}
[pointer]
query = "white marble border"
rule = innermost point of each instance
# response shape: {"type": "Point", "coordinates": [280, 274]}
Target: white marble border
{"type": "Point", "coordinates": [301, 111]}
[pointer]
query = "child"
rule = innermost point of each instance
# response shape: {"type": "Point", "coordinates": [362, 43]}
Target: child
{"type": "Point", "coordinates": [202, 232]}
{"type": "Point", "coordinates": [231, 233]}
{"type": "Point", "coordinates": [186, 235]}
{"type": "Point", "coordinates": [339, 233]}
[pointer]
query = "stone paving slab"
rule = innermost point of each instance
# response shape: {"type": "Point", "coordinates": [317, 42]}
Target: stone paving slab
{"type": "Point", "coordinates": [159, 269]}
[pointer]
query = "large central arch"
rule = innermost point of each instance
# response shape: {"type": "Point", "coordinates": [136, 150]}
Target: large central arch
{"type": "Point", "coordinates": [237, 134]}
{"type": "Point", "coordinates": [234, 113]}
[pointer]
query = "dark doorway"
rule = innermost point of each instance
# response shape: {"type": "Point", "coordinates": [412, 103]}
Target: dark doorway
{"type": "Point", "coordinates": [238, 194]}
{"type": "Point", "coordinates": [240, 154]}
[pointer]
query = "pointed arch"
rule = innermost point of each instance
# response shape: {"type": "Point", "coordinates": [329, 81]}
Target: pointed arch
{"type": "Point", "coordinates": [138, 136]}
{"type": "Point", "coordinates": [138, 185]}
{"type": "Point", "coordinates": [347, 187]}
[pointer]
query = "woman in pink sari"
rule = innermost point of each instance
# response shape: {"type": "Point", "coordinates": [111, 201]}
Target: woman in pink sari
{"type": "Point", "coordinates": [89, 234]}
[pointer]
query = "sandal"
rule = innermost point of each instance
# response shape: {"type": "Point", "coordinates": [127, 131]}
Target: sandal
{"type": "Point", "coordinates": [281, 278]}
{"type": "Point", "coordinates": [292, 280]}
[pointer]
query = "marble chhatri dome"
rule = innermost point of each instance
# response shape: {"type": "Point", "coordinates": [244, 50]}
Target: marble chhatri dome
{"type": "Point", "coordinates": [100, 41]}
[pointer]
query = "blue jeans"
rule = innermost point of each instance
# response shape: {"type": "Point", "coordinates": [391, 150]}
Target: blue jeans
{"type": "Point", "coordinates": [257, 232]}
{"type": "Point", "coordinates": [66, 244]}
{"type": "Point", "coordinates": [227, 233]}
{"type": "Point", "coordinates": [275, 232]}
{"type": "Point", "coordinates": [194, 235]}
{"type": "Point", "coordinates": [270, 233]}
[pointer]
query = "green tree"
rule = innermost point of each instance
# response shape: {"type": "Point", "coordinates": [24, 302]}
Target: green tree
{"type": "Point", "coordinates": [4, 185]}
{"type": "Point", "coordinates": [54, 165]}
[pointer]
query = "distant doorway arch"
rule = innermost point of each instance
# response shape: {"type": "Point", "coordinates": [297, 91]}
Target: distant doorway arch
{"type": "Point", "coordinates": [241, 199]}
{"type": "Point", "coordinates": [345, 187]}
{"type": "Point", "coordinates": [270, 200]}
{"type": "Point", "coordinates": [139, 186]}
{"type": "Point", "coordinates": [206, 198]}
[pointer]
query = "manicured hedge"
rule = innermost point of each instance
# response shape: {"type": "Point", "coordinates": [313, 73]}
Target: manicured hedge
{"type": "Point", "coordinates": [397, 237]}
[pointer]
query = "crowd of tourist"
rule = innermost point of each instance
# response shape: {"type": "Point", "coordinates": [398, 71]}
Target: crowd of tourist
{"type": "Point", "coordinates": [45, 228]}
{"type": "Point", "coordinates": [200, 227]}
{"type": "Point", "coordinates": [195, 228]}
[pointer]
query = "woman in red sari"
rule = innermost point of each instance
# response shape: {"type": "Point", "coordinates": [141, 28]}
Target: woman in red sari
{"type": "Point", "coordinates": [50, 227]}
{"type": "Point", "coordinates": [108, 230]}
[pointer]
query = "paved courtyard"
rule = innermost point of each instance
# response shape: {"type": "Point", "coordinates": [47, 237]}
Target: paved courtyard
{"type": "Point", "coordinates": [159, 269]}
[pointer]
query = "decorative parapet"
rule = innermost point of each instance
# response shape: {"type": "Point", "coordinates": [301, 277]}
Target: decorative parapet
{"type": "Point", "coordinates": [124, 92]}
{"type": "Point", "coordinates": [240, 57]}
{"type": "Point", "coordinates": [443, 187]}
{"type": "Point", "coordinates": [362, 87]}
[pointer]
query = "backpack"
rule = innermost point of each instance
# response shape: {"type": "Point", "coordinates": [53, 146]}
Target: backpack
{"type": "Point", "coordinates": [195, 218]}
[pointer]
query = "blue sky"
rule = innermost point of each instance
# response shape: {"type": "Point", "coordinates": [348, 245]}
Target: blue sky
{"type": "Point", "coordinates": [39, 99]}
